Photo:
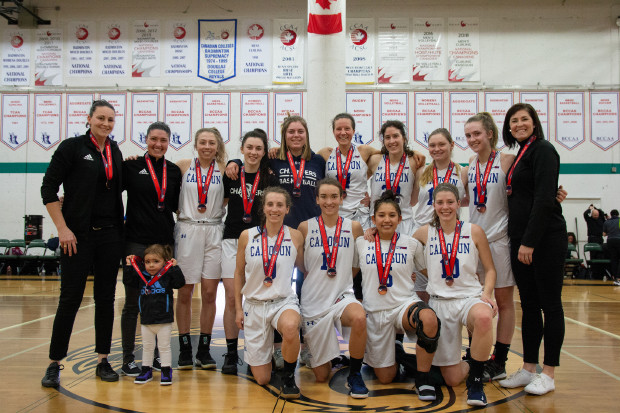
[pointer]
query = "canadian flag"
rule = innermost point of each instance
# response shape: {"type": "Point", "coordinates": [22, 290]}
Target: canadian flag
{"type": "Point", "coordinates": [324, 16]}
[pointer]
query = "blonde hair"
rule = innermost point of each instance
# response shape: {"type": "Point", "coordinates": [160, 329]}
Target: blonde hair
{"type": "Point", "coordinates": [307, 153]}
{"type": "Point", "coordinates": [488, 124]}
{"type": "Point", "coordinates": [427, 174]}
{"type": "Point", "coordinates": [220, 155]}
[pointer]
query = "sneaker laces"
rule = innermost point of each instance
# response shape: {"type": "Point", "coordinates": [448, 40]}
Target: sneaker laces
{"type": "Point", "coordinates": [53, 370]}
{"type": "Point", "coordinates": [233, 355]}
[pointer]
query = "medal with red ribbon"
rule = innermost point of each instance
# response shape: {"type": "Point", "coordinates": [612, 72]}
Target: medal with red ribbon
{"type": "Point", "coordinates": [297, 177]}
{"type": "Point", "coordinates": [343, 173]}
{"type": "Point", "coordinates": [248, 201]}
{"type": "Point", "coordinates": [161, 190]}
{"type": "Point", "coordinates": [399, 171]}
{"type": "Point", "coordinates": [514, 165]}
{"type": "Point", "coordinates": [134, 263]}
{"type": "Point", "coordinates": [383, 270]}
{"type": "Point", "coordinates": [448, 262]}
{"type": "Point", "coordinates": [107, 159]}
{"type": "Point", "coordinates": [481, 185]}
{"type": "Point", "coordinates": [330, 257]}
{"type": "Point", "coordinates": [203, 189]}
{"type": "Point", "coordinates": [269, 263]}
{"type": "Point", "coordinates": [446, 178]}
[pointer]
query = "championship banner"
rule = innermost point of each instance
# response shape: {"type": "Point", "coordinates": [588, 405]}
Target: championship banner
{"type": "Point", "coordinates": [570, 126]}
{"type": "Point", "coordinates": [81, 49]}
{"type": "Point", "coordinates": [15, 112]}
{"type": "Point", "coordinates": [16, 57]}
{"type": "Point", "coordinates": [179, 49]}
{"type": "Point", "coordinates": [324, 16]}
{"type": "Point", "coordinates": [604, 121]}
{"type": "Point", "coordinates": [47, 120]}
{"type": "Point", "coordinates": [178, 115]}
{"type": "Point", "coordinates": [255, 50]}
{"type": "Point", "coordinates": [360, 52]}
{"type": "Point", "coordinates": [217, 51]}
{"type": "Point", "coordinates": [285, 104]}
{"type": "Point", "coordinates": [254, 112]}
{"type": "Point", "coordinates": [463, 105]}
{"type": "Point", "coordinates": [78, 106]}
{"type": "Point", "coordinates": [497, 104]}
{"type": "Point", "coordinates": [144, 111]}
{"type": "Point", "coordinates": [464, 50]}
{"type": "Point", "coordinates": [393, 56]}
{"type": "Point", "coordinates": [361, 106]}
{"type": "Point", "coordinates": [48, 58]}
{"type": "Point", "coordinates": [394, 106]}
{"type": "Point", "coordinates": [216, 113]}
{"type": "Point", "coordinates": [427, 115]}
{"type": "Point", "coordinates": [540, 103]}
{"type": "Point", "coordinates": [145, 54]}
{"type": "Point", "coordinates": [429, 49]}
{"type": "Point", "coordinates": [119, 101]}
{"type": "Point", "coordinates": [288, 51]}
{"type": "Point", "coordinates": [114, 50]}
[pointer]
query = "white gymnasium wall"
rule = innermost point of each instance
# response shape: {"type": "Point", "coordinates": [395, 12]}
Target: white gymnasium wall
{"type": "Point", "coordinates": [542, 45]}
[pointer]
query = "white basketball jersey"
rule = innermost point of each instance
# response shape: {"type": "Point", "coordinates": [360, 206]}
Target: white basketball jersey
{"type": "Point", "coordinates": [405, 186]}
{"type": "Point", "coordinates": [466, 283]}
{"type": "Point", "coordinates": [356, 180]}
{"type": "Point", "coordinates": [424, 207]}
{"type": "Point", "coordinates": [319, 291]}
{"type": "Point", "coordinates": [408, 257]}
{"type": "Point", "coordinates": [494, 221]}
{"type": "Point", "coordinates": [188, 198]}
{"type": "Point", "coordinates": [254, 287]}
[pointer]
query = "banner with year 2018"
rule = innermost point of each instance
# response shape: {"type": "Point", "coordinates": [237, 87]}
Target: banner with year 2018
{"type": "Point", "coordinates": [497, 104]}
{"type": "Point", "coordinates": [15, 112]}
{"type": "Point", "coordinates": [119, 101]}
{"type": "Point", "coordinates": [540, 103]}
{"type": "Point", "coordinates": [394, 106]}
{"type": "Point", "coordinates": [146, 52]}
{"type": "Point", "coordinates": [463, 105]}
{"type": "Point", "coordinates": [178, 115]}
{"type": "Point", "coordinates": [81, 49]}
{"type": "Point", "coordinates": [254, 112]}
{"type": "Point", "coordinates": [16, 57]}
{"type": "Point", "coordinates": [285, 104]}
{"type": "Point", "coordinates": [429, 49]}
{"type": "Point", "coordinates": [216, 113]}
{"type": "Point", "coordinates": [360, 52]}
{"type": "Point", "coordinates": [393, 55]}
{"type": "Point", "coordinates": [604, 121]}
{"type": "Point", "coordinates": [463, 50]}
{"type": "Point", "coordinates": [428, 115]}
{"type": "Point", "coordinates": [144, 111]}
{"type": "Point", "coordinates": [217, 50]}
{"type": "Point", "coordinates": [47, 108]}
{"type": "Point", "coordinates": [48, 58]}
{"type": "Point", "coordinates": [361, 106]}
{"type": "Point", "coordinates": [78, 106]}
{"type": "Point", "coordinates": [570, 128]}
{"type": "Point", "coordinates": [288, 51]}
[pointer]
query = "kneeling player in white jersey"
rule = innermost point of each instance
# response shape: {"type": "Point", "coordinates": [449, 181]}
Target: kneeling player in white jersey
{"type": "Point", "coordinates": [327, 298]}
{"type": "Point", "coordinates": [452, 251]}
{"type": "Point", "coordinates": [266, 257]}
{"type": "Point", "coordinates": [390, 300]}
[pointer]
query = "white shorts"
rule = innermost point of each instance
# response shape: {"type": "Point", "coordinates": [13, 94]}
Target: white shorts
{"type": "Point", "coordinates": [500, 251]}
{"type": "Point", "coordinates": [381, 328]}
{"type": "Point", "coordinates": [320, 333]}
{"type": "Point", "coordinates": [260, 319]}
{"type": "Point", "coordinates": [453, 315]}
{"type": "Point", "coordinates": [406, 226]}
{"type": "Point", "coordinates": [362, 215]}
{"type": "Point", "coordinates": [229, 257]}
{"type": "Point", "coordinates": [198, 249]}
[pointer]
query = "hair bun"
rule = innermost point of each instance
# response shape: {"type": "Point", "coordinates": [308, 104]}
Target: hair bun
{"type": "Point", "coordinates": [389, 195]}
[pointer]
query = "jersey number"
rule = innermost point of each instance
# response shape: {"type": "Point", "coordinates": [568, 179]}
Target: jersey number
{"type": "Point", "coordinates": [456, 271]}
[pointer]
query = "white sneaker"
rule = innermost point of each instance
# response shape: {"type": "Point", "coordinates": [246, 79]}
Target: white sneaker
{"type": "Point", "coordinates": [541, 384]}
{"type": "Point", "coordinates": [617, 282]}
{"type": "Point", "coordinates": [519, 378]}
{"type": "Point", "coordinates": [278, 360]}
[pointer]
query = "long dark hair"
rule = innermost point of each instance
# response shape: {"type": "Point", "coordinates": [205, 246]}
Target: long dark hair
{"type": "Point", "coordinates": [264, 169]}
{"type": "Point", "coordinates": [510, 140]}
{"type": "Point", "coordinates": [401, 127]}
{"type": "Point", "coordinates": [100, 103]}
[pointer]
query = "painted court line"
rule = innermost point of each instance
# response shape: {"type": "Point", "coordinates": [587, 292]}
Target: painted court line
{"type": "Point", "coordinates": [595, 367]}
{"type": "Point", "coordinates": [598, 330]}
{"type": "Point", "coordinates": [39, 319]}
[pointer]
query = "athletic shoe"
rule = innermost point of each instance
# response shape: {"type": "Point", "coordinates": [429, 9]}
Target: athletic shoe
{"type": "Point", "coordinates": [231, 360]}
{"type": "Point", "coordinates": [617, 282]}
{"type": "Point", "coordinates": [340, 362]}
{"type": "Point", "coordinates": [357, 387]}
{"type": "Point", "coordinates": [157, 364]}
{"type": "Point", "coordinates": [304, 357]}
{"type": "Point", "coordinates": [205, 361]}
{"type": "Point", "coordinates": [494, 370]}
{"type": "Point", "coordinates": [186, 361]}
{"type": "Point", "coordinates": [426, 391]}
{"type": "Point", "coordinates": [145, 376]}
{"type": "Point", "coordinates": [289, 388]}
{"type": "Point", "coordinates": [130, 369]}
{"type": "Point", "coordinates": [52, 375]}
{"type": "Point", "coordinates": [105, 371]}
{"type": "Point", "coordinates": [278, 360]}
{"type": "Point", "coordinates": [408, 361]}
{"type": "Point", "coordinates": [541, 384]}
{"type": "Point", "coordinates": [519, 378]}
{"type": "Point", "coordinates": [166, 376]}
{"type": "Point", "coordinates": [475, 393]}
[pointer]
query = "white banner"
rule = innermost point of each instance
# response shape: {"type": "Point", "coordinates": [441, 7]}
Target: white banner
{"type": "Point", "coordinates": [428, 115]}
{"type": "Point", "coordinates": [119, 101]}
{"type": "Point", "coordinates": [145, 54]}
{"type": "Point", "coordinates": [178, 115]}
{"type": "Point", "coordinates": [540, 102]}
{"type": "Point", "coordinates": [429, 49]}
{"type": "Point", "coordinates": [216, 113]}
{"type": "Point", "coordinates": [144, 111]}
{"type": "Point", "coordinates": [15, 112]}
{"type": "Point", "coordinates": [78, 106]}
{"type": "Point", "coordinates": [47, 119]}
{"type": "Point", "coordinates": [114, 50]}
{"type": "Point", "coordinates": [464, 50]}
{"type": "Point", "coordinates": [179, 49]}
{"type": "Point", "coordinates": [48, 58]}
{"type": "Point", "coordinates": [16, 57]}
{"type": "Point", "coordinates": [497, 104]}
{"type": "Point", "coordinates": [81, 49]}
{"type": "Point", "coordinates": [285, 104]}
{"type": "Point", "coordinates": [217, 51]}
{"type": "Point", "coordinates": [393, 55]}
{"type": "Point", "coordinates": [361, 106]}
{"type": "Point", "coordinates": [288, 51]}
{"type": "Point", "coordinates": [254, 112]}
{"type": "Point", "coordinates": [394, 106]}
{"type": "Point", "coordinates": [463, 105]}
{"type": "Point", "coordinates": [255, 50]}
{"type": "Point", "coordinates": [604, 121]}
{"type": "Point", "coordinates": [360, 52]}
{"type": "Point", "coordinates": [570, 127]}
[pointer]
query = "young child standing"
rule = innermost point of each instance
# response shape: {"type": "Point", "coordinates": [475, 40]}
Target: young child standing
{"type": "Point", "coordinates": [156, 276]}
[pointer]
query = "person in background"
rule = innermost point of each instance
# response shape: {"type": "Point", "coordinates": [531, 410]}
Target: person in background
{"type": "Point", "coordinates": [595, 218]}
{"type": "Point", "coordinates": [611, 229]}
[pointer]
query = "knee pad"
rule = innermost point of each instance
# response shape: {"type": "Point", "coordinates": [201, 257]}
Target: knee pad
{"type": "Point", "coordinates": [427, 343]}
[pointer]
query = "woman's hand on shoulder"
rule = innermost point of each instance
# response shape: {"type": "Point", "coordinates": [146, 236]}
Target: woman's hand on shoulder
{"type": "Point", "coordinates": [369, 234]}
{"type": "Point", "coordinates": [273, 152]}
{"type": "Point", "coordinates": [419, 159]}
{"type": "Point", "coordinates": [232, 170]}
{"type": "Point", "coordinates": [131, 158]}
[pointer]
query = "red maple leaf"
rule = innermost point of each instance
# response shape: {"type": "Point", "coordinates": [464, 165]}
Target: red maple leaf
{"type": "Point", "coordinates": [417, 76]}
{"type": "Point", "coordinates": [136, 72]}
{"type": "Point", "coordinates": [452, 76]}
{"type": "Point", "coordinates": [325, 4]}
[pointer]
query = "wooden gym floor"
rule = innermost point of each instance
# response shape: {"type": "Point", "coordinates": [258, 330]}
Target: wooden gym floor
{"type": "Point", "coordinates": [587, 380]}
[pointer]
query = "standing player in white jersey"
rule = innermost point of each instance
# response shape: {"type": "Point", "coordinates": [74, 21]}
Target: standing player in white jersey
{"type": "Point", "coordinates": [198, 239]}
{"type": "Point", "coordinates": [452, 249]}
{"type": "Point", "coordinates": [389, 299]}
{"type": "Point", "coordinates": [330, 259]}
{"type": "Point", "coordinates": [266, 256]}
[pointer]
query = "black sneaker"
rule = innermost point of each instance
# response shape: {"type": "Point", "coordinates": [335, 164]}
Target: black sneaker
{"type": "Point", "coordinates": [231, 360]}
{"type": "Point", "coordinates": [166, 376]}
{"type": "Point", "coordinates": [205, 361]}
{"type": "Point", "coordinates": [157, 364]}
{"type": "Point", "coordinates": [424, 388]}
{"type": "Point", "coordinates": [289, 388]}
{"type": "Point", "coordinates": [186, 362]}
{"type": "Point", "coordinates": [408, 361]}
{"type": "Point", "coordinates": [52, 375]}
{"type": "Point", "coordinates": [494, 370]}
{"type": "Point", "coordinates": [105, 371]}
{"type": "Point", "coordinates": [145, 375]}
{"type": "Point", "coordinates": [130, 369]}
